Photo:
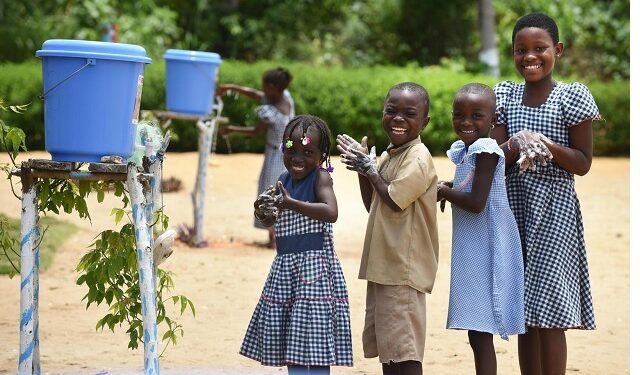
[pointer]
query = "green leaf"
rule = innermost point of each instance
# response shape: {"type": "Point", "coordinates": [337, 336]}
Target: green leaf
{"type": "Point", "coordinates": [183, 304]}
{"type": "Point", "coordinates": [81, 279]}
{"type": "Point", "coordinates": [193, 309]}
{"type": "Point", "coordinates": [167, 335]}
{"type": "Point", "coordinates": [100, 196]}
{"type": "Point", "coordinates": [119, 214]}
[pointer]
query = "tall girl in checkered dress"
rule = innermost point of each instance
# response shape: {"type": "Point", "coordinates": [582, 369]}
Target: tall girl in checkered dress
{"type": "Point", "coordinates": [559, 116]}
{"type": "Point", "coordinates": [276, 111]}
{"type": "Point", "coordinates": [486, 295]}
{"type": "Point", "coordinates": [302, 317]}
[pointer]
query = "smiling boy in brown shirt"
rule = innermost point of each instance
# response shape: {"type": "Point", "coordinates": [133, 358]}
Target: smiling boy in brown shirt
{"type": "Point", "coordinates": [400, 254]}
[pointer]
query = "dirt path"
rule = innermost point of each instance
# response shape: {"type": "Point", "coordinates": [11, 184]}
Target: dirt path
{"type": "Point", "coordinates": [225, 279]}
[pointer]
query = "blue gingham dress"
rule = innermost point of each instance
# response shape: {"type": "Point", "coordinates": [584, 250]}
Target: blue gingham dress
{"type": "Point", "coordinates": [487, 275]}
{"type": "Point", "coordinates": [546, 207]}
{"type": "Point", "coordinates": [302, 316]}
{"type": "Point", "coordinates": [272, 166]}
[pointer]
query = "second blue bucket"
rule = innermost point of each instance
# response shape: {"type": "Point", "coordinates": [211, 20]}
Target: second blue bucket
{"type": "Point", "coordinates": [91, 98]}
{"type": "Point", "coordinates": [191, 81]}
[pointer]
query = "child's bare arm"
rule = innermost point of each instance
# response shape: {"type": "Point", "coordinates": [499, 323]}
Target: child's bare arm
{"type": "Point", "coordinates": [249, 92]}
{"type": "Point", "coordinates": [366, 191]}
{"type": "Point", "coordinates": [326, 209]}
{"type": "Point", "coordinates": [260, 128]}
{"type": "Point", "coordinates": [475, 200]}
{"type": "Point", "coordinates": [365, 165]}
{"type": "Point", "coordinates": [511, 155]}
{"type": "Point", "coordinates": [344, 144]}
{"type": "Point", "coordinates": [576, 158]}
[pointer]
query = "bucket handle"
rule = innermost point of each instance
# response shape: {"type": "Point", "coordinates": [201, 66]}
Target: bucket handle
{"type": "Point", "coordinates": [89, 62]}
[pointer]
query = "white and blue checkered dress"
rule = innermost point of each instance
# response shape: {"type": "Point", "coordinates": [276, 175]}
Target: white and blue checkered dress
{"type": "Point", "coordinates": [302, 317]}
{"type": "Point", "coordinates": [272, 166]}
{"type": "Point", "coordinates": [546, 207]}
{"type": "Point", "coordinates": [487, 276]}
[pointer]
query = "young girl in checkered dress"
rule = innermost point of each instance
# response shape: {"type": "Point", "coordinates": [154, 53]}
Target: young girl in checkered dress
{"type": "Point", "coordinates": [302, 317]}
{"type": "Point", "coordinates": [487, 288]}
{"type": "Point", "coordinates": [556, 116]}
{"type": "Point", "coordinates": [276, 111]}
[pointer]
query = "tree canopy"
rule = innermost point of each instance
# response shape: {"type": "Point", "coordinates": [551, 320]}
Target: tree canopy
{"type": "Point", "coordinates": [329, 32]}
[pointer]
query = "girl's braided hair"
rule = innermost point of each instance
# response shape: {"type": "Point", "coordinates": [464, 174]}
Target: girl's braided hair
{"type": "Point", "coordinates": [306, 121]}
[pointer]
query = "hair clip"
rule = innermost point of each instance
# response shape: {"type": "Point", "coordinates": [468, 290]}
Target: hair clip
{"type": "Point", "coordinates": [305, 140]}
{"type": "Point", "coordinates": [328, 166]}
{"type": "Point", "coordinates": [289, 143]}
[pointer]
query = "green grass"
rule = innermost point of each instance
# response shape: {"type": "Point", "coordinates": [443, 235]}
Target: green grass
{"type": "Point", "coordinates": [57, 233]}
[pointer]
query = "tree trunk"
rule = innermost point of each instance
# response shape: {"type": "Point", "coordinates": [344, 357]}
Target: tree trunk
{"type": "Point", "coordinates": [488, 51]}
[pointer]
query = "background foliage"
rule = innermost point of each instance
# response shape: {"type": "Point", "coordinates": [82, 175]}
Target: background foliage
{"type": "Point", "coordinates": [349, 99]}
{"type": "Point", "coordinates": [344, 54]}
{"type": "Point", "coordinates": [348, 33]}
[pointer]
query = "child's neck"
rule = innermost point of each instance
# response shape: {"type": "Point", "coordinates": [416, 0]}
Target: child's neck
{"type": "Point", "coordinates": [536, 93]}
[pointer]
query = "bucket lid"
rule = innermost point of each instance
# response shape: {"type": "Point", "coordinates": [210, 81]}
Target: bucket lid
{"type": "Point", "coordinates": [93, 49]}
{"type": "Point", "coordinates": [178, 54]}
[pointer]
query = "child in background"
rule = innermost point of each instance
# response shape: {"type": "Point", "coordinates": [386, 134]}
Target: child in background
{"type": "Point", "coordinates": [486, 295]}
{"type": "Point", "coordinates": [276, 111]}
{"type": "Point", "coordinates": [302, 317]}
{"type": "Point", "coordinates": [557, 116]}
{"type": "Point", "coordinates": [400, 254]}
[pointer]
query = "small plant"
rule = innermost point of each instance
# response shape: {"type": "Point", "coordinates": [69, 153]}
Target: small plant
{"type": "Point", "coordinates": [109, 269]}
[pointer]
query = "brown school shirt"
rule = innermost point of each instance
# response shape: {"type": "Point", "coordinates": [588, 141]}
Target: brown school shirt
{"type": "Point", "coordinates": [401, 248]}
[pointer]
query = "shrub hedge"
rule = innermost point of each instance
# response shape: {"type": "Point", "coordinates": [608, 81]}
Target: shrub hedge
{"type": "Point", "coordinates": [349, 100]}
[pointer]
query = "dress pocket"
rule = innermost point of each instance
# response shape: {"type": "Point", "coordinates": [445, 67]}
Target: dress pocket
{"type": "Point", "coordinates": [312, 269]}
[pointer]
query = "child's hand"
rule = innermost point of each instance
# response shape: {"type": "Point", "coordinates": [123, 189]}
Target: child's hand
{"type": "Point", "coordinates": [532, 148]}
{"type": "Point", "coordinates": [265, 206]}
{"type": "Point", "coordinates": [282, 197]}
{"type": "Point", "coordinates": [345, 144]}
{"type": "Point", "coordinates": [363, 163]}
{"type": "Point", "coordinates": [267, 196]}
{"type": "Point", "coordinates": [440, 198]}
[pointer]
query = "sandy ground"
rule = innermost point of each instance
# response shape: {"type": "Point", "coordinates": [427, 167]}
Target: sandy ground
{"type": "Point", "coordinates": [225, 279]}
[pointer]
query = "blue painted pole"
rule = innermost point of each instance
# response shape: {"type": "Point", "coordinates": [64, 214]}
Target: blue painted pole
{"type": "Point", "coordinates": [145, 272]}
{"type": "Point", "coordinates": [29, 360]}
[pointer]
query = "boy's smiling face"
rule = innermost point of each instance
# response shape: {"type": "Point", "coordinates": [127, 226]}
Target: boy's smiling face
{"type": "Point", "coordinates": [404, 116]}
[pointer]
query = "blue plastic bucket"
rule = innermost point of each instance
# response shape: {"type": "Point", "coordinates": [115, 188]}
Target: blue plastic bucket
{"type": "Point", "coordinates": [91, 96]}
{"type": "Point", "coordinates": [191, 81]}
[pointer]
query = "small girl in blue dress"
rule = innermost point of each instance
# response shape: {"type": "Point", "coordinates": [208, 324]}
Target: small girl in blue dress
{"type": "Point", "coordinates": [556, 116]}
{"type": "Point", "coordinates": [486, 295]}
{"type": "Point", "coordinates": [302, 317]}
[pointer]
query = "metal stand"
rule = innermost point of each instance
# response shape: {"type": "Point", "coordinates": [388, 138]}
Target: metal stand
{"type": "Point", "coordinates": [207, 133]}
{"type": "Point", "coordinates": [142, 191]}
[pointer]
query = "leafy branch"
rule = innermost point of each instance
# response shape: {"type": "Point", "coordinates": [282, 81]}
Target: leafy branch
{"type": "Point", "coordinates": [110, 268]}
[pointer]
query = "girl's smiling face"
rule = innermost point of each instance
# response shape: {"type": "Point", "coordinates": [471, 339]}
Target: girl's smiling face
{"type": "Point", "coordinates": [472, 117]}
{"type": "Point", "coordinates": [302, 153]}
{"type": "Point", "coordinates": [534, 53]}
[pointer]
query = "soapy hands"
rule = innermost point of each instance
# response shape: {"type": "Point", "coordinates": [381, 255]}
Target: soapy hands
{"type": "Point", "coordinates": [532, 147]}
{"type": "Point", "coordinates": [356, 155]}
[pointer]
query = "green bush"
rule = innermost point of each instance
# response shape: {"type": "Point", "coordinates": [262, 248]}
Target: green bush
{"type": "Point", "coordinates": [349, 100]}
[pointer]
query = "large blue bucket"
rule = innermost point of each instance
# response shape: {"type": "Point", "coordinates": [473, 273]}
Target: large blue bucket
{"type": "Point", "coordinates": [92, 94]}
{"type": "Point", "coordinates": [191, 81]}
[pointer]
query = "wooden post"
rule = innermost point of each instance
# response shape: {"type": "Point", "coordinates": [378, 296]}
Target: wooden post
{"type": "Point", "coordinates": [207, 127]}
{"type": "Point", "coordinates": [29, 360]}
{"type": "Point", "coordinates": [205, 135]}
{"type": "Point", "coordinates": [145, 270]}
